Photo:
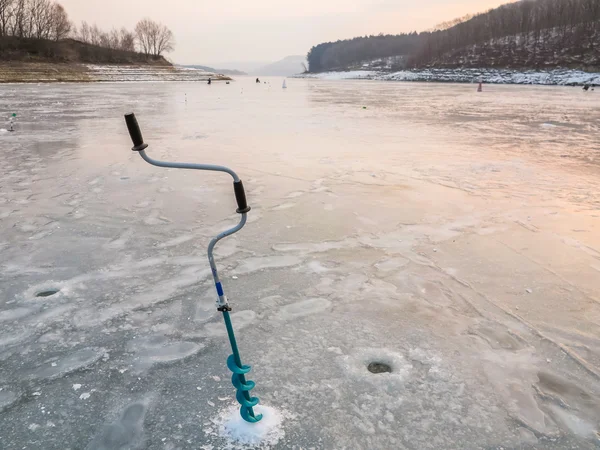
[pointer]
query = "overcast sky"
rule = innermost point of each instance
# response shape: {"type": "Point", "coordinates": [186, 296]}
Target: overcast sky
{"type": "Point", "coordinates": [209, 32]}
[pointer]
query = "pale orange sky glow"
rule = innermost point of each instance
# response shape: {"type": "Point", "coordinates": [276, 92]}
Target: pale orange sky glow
{"type": "Point", "coordinates": [268, 30]}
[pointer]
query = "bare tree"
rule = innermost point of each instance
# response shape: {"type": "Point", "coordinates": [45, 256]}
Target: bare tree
{"type": "Point", "coordinates": [165, 41]}
{"type": "Point", "coordinates": [126, 40]}
{"type": "Point", "coordinates": [20, 25]}
{"type": "Point", "coordinates": [40, 17]}
{"type": "Point", "coordinates": [95, 35]}
{"type": "Point", "coordinates": [114, 39]}
{"type": "Point", "coordinates": [6, 13]}
{"type": "Point", "coordinates": [60, 25]}
{"type": "Point", "coordinates": [84, 34]}
{"type": "Point", "coordinates": [143, 34]}
{"type": "Point", "coordinates": [154, 38]}
{"type": "Point", "coordinates": [104, 39]}
{"type": "Point", "coordinates": [122, 39]}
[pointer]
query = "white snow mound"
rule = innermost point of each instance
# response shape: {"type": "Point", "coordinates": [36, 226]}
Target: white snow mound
{"type": "Point", "coordinates": [263, 434]}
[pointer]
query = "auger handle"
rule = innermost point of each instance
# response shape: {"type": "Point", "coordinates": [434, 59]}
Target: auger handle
{"type": "Point", "coordinates": [135, 133]}
{"type": "Point", "coordinates": [240, 197]}
{"type": "Point", "coordinates": [139, 146]}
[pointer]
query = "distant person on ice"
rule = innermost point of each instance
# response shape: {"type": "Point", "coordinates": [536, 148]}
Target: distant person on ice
{"type": "Point", "coordinates": [257, 80]}
{"type": "Point", "coordinates": [586, 87]}
{"type": "Point", "coordinates": [209, 81]}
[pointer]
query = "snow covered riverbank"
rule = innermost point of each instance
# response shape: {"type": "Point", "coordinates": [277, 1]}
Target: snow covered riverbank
{"type": "Point", "coordinates": [150, 73]}
{"type": "Point", "coordinates": [559, 77]}
{"type": "Point", "coordinates": [49, 73]}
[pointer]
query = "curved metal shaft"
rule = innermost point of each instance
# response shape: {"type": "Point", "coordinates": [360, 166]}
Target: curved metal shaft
{"type": "Point", "coordinates": [174, 165]}
{"type": "Point", "coordinates": [222, 299]}
{"type": "Point", "coordinates": [211, 260]}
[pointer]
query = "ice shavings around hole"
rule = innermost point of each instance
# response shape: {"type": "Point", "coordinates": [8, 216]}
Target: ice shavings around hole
{"type": "Point", "coordinates": [242, 435]}
{"type": "Point", "coordinates": [356, 365]}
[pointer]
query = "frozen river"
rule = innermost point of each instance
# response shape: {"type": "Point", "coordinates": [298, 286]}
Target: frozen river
{"type": "Point", "coordinates": [454, 236]}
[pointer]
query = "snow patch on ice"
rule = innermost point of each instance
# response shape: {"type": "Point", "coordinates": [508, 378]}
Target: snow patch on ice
{"type": "Point", "coordinates": [469, 75]}
{"type": "Point", "coordinates": [7, 399]}
{"type": "Point", "coordinates": [79, 360]}
{"type": "Point", "coordinates": [284, 206]}
{"type": "Point", "coordinates": [317, 267]}
{"type": "Point", "coordinates": [391, 264]}
{"type": "Point", "coordinates": [349, 75]}
{"type": "Point", "coordinates": [575, 424]}
{"type": "Point", "coordinates": [242, 435]}
{"type": "Point", "coordinates": [318, 247]}
{"type": "Point", "coordinates": [240, 320]}
{"type": "Point", "coordinates": [304, 308]}
{"type": "Point", "coordinates": [120, 242]}
{"type": "Point", "coordinates": [176, 241]}
{"type": "Point", "coordinates": [14, 314]}
{"type": "Point", "coordinates": [266, 262]}
{"type": "Point", "coordinates": [126, 432]}
{"type": "Point", "coordinates": [154, 350]}
{"type": "Point", "coordinates": [227, 247]}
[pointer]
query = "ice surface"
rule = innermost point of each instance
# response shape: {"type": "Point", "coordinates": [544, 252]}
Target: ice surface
{"type": "Point", "coordinates": [267, 262]}
{"type": "Point", "coordinates": [154, 350]}
{"type": "Point", "coordinates": [242, 319]}
{"type": "Point", "coordinates": [451, 236]}
{"type": "Point", "coordinates": [125, 432]}
{"type": "Point", "coordinates": [304, 308]}
{"type": "Point", "coordinates": [60, 367]}
{"type": "Point", "coordinates": [7, 399]}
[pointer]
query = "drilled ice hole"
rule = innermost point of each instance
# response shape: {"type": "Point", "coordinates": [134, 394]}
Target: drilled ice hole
{"type": "Point", "coordinates": [379, 367]}
{"type": "Point", "coordinates": [47, 292]}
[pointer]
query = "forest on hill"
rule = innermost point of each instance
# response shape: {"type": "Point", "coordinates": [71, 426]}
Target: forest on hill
{"type": "Point", "coordinates": [525, 34]}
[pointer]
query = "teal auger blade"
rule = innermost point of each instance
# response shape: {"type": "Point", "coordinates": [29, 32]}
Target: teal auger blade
{"type": "Point", "coordinates": [244, 402]}
{"type": "Point", "coordinates": [247, 417]}
{"type": "Point", "coordinates": [235, 368]}
{"type": "Point", "coordinates": [237, 383]}
{"type": "Point", "coordinates": [243, 388]}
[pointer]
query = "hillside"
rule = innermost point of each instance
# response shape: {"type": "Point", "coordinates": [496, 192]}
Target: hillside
{"type": "Point", "coordinates": [290, 65]}
{"type": "Point", "coordinates": [550, 48]}
{"type": "Point", "coordinates": [13, 49]}
{"type": "Point", "coordinates": [529, 34]}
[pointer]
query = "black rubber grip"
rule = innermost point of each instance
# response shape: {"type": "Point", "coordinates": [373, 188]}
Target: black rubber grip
{"type": "Point", "coordinates": [135, 132]}
{"type": "Point", "coordinates": [240, 196]}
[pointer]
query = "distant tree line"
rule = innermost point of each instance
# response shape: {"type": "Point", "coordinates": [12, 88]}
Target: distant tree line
{"type": "Point", "coordinates": [340, 54]}
{"type": "Point", "coordinates": [149, 37]}
{"type": "Point", "coordinates": [39, 19]}
{"type": "Point", "coordinates": [534, 30]}
{"type": "Point", "coordinates": [122, 39]}
{"type": "Point", "coordinates": [47, 19]}
{"type": "Point", "coordinates": [530, 24]}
